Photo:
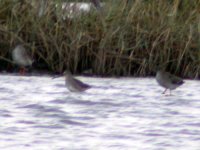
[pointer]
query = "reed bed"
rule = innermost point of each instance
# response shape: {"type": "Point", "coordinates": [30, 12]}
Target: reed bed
{"type": "Point", "coordinates": [127, 38]}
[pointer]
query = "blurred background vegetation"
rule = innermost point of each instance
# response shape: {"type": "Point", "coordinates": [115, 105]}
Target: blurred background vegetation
{"type": "Point", "coordinates": [124, 38]}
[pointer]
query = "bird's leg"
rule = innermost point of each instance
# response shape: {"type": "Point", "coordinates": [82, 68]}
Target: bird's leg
{"type": "Point", "coordinates": [170, 93]}
{"type": "Point", "coordinates": [164, 91]}
{"type": "Point", "coordinates": [22, 71]}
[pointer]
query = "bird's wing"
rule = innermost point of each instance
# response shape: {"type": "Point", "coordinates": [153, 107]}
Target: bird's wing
{"type": "Point", "coordinates": [78, 82]}
{"type": "Point", "coordinates": [175, 79]}
{"type": "Point", "coordinates": [26, 54]}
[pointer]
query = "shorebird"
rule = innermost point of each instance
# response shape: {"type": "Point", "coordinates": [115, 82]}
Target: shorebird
{"type": "Point", "coordinates": [74, 85]}
{"type": "Point", "coordinates": [168, 81]}
{"type": "Point", "coordinates": [21, 57]}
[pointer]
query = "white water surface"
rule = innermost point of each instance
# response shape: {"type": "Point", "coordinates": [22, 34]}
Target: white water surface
{"type": "Point", "coordinates": [39, 113]}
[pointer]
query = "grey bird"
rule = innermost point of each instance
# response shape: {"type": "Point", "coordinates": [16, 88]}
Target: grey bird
{"type": "Point", "coordinates": [21, 57]}
{"type": "Point", "coordinates": [168, 81]}
{"type": "Point", "coordinates": [73, 84]}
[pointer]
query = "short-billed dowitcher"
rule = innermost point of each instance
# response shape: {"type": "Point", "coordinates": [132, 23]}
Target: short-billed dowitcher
{"type": "Point", "coordinates": [74, 85]}
{"type": "Point", "coordinates": [21, 57]}
{"type": "Point", "coordinates": [168, 81]}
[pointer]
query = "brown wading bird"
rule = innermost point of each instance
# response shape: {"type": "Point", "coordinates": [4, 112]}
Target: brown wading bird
{"type": "Point", "coordinates": [168, 81]}
{"type": "Point", "coordinates": [21, 57]}
{"type": "Point", "coordinates": [73, 84]}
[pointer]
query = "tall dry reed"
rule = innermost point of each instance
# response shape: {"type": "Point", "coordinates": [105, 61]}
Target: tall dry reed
{"type": "Point", "coordinates": [126, 38]}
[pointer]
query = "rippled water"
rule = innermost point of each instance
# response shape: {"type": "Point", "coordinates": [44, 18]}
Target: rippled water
{"type": "Point", "coordinates": [118, 114]}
